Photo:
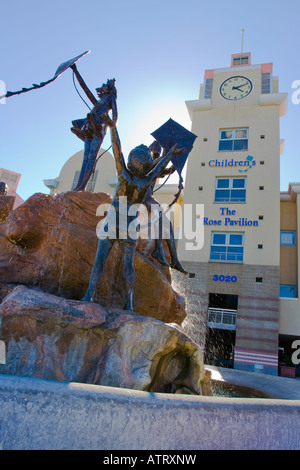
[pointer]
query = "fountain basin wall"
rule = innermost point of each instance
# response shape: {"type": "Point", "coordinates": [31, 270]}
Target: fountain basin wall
{"type": "Point", "coordinates": [38, 414]}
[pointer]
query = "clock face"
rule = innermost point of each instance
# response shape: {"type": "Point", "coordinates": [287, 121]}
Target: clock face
{"type": "Point", "coordinates": [236, 88]}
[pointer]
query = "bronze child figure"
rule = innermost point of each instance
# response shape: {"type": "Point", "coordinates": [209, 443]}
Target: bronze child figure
{"type": "Point", "coordinates": [163, 227]}
{"type": "Point", "coordinates": [133, 182]}
{"type": "Point", "coordinates": [92, 130]}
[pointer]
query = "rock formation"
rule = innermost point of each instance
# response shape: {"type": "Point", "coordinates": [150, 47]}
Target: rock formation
{"type": "Point", "coordinates": [50, 242]}
{"type": "Point", "coordinates": [47, 250]}
{"type": "Point", "coordinates": [67, 340]}
{"type": "Point", "coordinates": [6, 206]}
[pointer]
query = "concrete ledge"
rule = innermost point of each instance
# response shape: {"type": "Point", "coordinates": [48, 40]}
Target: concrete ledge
{"type": "Point", "coordinates": [40, 415]}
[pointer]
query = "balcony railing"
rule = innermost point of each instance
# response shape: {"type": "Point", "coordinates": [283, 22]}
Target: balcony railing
{"type": "Point", "coordinates": [221, 318]}
{"type": "Point", "coordinates": [234, 257]}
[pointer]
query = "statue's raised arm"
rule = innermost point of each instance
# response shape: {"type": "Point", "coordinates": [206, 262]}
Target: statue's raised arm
{"type": "Point", "coordinates": [164, 160]}
{"type": "Point", "coordinates": [116, 143]}
{"type": "Point", "coordinates": [84, 86]}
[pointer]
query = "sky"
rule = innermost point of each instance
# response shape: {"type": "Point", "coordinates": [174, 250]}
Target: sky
{"type": "Point", "coordinates": [157, 50]}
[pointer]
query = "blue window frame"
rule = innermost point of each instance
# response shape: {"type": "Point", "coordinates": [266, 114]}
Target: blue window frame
{"type": "Point", "coordinates": [287, 291]}
{"type": "Point", "coordinates": [227, 247]}
{"type": "Point", "coordinates": [233, 139]}
{"type": "Point", "coordinates": [230, 189]}
{"type": "Point", "coordinates": [288, 238]}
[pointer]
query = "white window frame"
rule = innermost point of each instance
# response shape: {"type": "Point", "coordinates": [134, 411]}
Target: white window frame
{"type": "Point", "coordinates": [223, 256]}
{"type": "Point", "coordinates": [230, 189]}
{"type": "Point", "coordinates": [234, 139]}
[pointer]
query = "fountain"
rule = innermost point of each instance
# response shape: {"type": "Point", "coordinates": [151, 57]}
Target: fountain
{"type": "Point", "coordinates": [94, 357]}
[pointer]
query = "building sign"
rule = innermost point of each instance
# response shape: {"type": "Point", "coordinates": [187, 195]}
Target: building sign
{"type": "Point", "coordinates": [246, 164]}
{"type": "Point", "coordinates": [227, 219]}
{"type": "Point", "coordinates": [222, 278]}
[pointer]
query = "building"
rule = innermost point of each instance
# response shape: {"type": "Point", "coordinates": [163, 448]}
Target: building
{"type": "Point", "coordinates": [289, 302]}
{"type": "Point", "coordinates": [12, 180]}
{"type": "Point", "coordinates": [68, 177]}
{"type": "Point", "coordinates": [234, 307]}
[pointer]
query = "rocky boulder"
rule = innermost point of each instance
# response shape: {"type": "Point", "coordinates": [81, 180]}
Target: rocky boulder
{"type": "Point", "coordinates": [50, 242]}
{"type": "Point", "coordinates": [6, 206]}
{"type": "Point", "coordinates": [67, 340]}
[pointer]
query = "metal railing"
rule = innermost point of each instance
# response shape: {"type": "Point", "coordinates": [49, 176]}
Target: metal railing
{"type": "Point", "coordinates": [221, 318]}
{"type": "Point", "coordinates": [225, 256]}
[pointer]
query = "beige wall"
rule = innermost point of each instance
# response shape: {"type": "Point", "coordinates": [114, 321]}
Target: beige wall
{"type": "Point", "coordinates": [105, 166]}
{"type": "Point", "coordinates": [288, 215]}
{"type": "Point", "coordinates": [288, 254]}
{"type": "Point", "coordinates": [289, 323]}
{"type": "Point", "coordinates": [261, 118]}
{"type": "Point", "coordinates": [289, 320]}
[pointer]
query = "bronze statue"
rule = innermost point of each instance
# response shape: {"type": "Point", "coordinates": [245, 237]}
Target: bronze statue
{"type": "Point", "coordinates": [62, 68]}
{"type": "Point", "coordinates": [92, 130]}
{"type": "Point", "coordinates": [151, 203]}
{"type": "Point", "coordinates": [134, 180]}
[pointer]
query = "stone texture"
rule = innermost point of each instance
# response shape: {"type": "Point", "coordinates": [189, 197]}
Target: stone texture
{"type": "Point", "coordinates": [50, 242]}
{"type": "Point", "coordinates": [52, 338]}
{"type": "Point", "coordinates": [6, 206]}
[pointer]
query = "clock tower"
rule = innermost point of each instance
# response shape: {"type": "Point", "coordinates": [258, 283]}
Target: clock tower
{"type": "Point", "coordinates": [232, 184]}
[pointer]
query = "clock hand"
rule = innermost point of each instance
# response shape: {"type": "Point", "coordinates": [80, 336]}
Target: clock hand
{"type": "Point", "coordinates": [238, 87]}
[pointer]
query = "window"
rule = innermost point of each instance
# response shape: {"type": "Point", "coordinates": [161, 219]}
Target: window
{"type": "Point", "coordinates": [227, 247]}
{"type": "Point", "coordinates": [230, 189]}
{"type": "Point", "coordinates": [244, 60]}
{"type": "Point", "coordinates": [288, 238]}
{"type": "Point", "coordinates": [287, 291]}
{"type": "Point", "coordinates": [266, 83]}
{"type": "Point", "coordinates": [208, 88]}
{"type": "Point", "coordinates": [91, 184]}
{"type": "Point", "coordinates": [233, 139]}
